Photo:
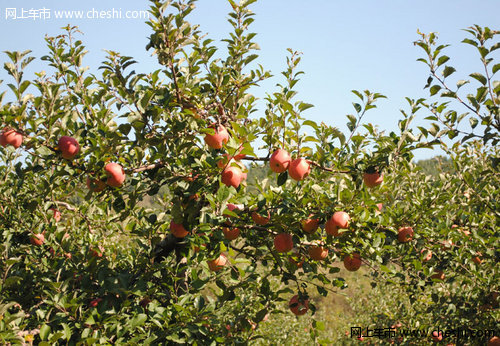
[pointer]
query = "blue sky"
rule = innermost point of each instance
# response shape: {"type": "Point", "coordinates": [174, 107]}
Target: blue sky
{"type": "Point", "coordinates": [346, 44]}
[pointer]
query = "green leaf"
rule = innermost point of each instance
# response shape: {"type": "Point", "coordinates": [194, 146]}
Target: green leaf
{"type": "Point", "coordinates": [495, 68]}
{"type": "Point", "coordinates": [44, 332]}
{"type": "Point", "coordinates": [482, 79]}
{"type": "Point", "coordinates": [434, 89]}
{"type": "Point", "coordinates": [448, 70]}
{"type": "Point", "coordinates": [282, 178]}
{"type": "Point", "coordinates": [138, 320]}
{"type": "Point", "coordinates": [442, 60]}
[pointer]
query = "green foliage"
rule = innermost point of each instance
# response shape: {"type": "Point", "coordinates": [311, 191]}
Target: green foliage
{"type": "Point", "coordinates": [112, 270]}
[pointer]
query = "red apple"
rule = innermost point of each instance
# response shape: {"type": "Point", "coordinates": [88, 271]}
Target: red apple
{"type": "Point", "coordinates": [95, 185]}
{"type": "Point", "coordinates": [218, 139]}
{"type": "Point", "coordinates": [310, 225]}
{"type": "Point", "coordinates": [298, 306]}
{"type": "Point", "coordinates": [318, 252]}
{"type": "Point", "coordinates": [437, 336]}
{"type": "Point", "coordinates": [373, 179]}
{"type": "Point", "coordinates": [299, 169]}
{"type": "Point", "coordinates": [283, 242]}
{"type": "Point", "coordinates": [57, 214]}
{"type": "Point", "coordinates": [37, 239]}
{"type": "Point", "coordinates": [178, 230]}
{"type": "Point", "coordinates": [115, 173]}
{"type": "Point", "coordinates": [352, 262]}
{"type": "Point", "coordinates": [218, 263]}
{"type": "Point", "coordinates": [231, 233]}
{"type": "Point", "coordinates": [261, 220]}
{"type": "Point", "coordinates": [279, 161]}
{"type": "Point", "coordinates": [339, 219]}
{"type": "Point", "coordinates": [405, 234]}
{"type": "Point", "coordinates": [232, 176]}
{"type": "Point", "coordinates": [12, 137]}
{"type": "Point", "coordinates": [69, 147]}
{"type": "Point", "coordinates": [94, 302]}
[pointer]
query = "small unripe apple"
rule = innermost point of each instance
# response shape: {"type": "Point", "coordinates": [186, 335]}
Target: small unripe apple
{"type": "Point", "coordinates": [299, 169]}
{"type": "Point", "coordinates": [218, 139]}
{"type": "Point", "coordinates": [218, 263]}
{"type": "Point", "coordinates": [373, 179]}
{"type": "Point", "coordinates": [232, 176]}
{"type": "Point", "coordinates": [279, 161]}
{"type": "Point", "coordinates": [11, 137]}
{"type": "Point", "coordinates": [283, 242]}
{"type": "Point", "coordinates": [178, 230]}
{"type": "Point", "coordinates": [352, 262]}
{"type": "Point", "coordinates": [115, 173]}
{"type": "Point", "coordinates": [69, 147]}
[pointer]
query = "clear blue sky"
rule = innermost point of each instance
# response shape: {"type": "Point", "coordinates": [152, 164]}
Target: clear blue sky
{"type": "Point", "coordinates": [346, 44]}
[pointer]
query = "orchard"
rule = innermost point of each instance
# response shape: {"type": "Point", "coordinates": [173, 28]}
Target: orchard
{"type": "Point", "coordinates": [166, 207]}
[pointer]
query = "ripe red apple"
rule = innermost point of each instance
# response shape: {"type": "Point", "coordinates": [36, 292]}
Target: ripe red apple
{"type": "Point", "coordinates": [310, 225]}
{"type": "Point", "coordinates": [299, 169]}
{"type": "Point", "coordinates": [57, 214]}
{"type": "Point", "coordinates": [405, 234]}
{"type": "Point", "coordinates": [95, 185]}
{"type": "Point", "coordinates": [115, 173]}
{"type": "Point", "coordinates": [477, 259]}
{"type": "Point", "coordinates": [261, 220]}
{"type": "Point", "coordinates": [318, 252]}
{"type": "Point", "coordinates": [11, 137]}
{"type": "Point", "coordinates": [94, 302]}
{"type": "Point", "coordinates": [283, 242]}
{"type": "Point", "coordinates": [231, 233]}
{"type": "Point", "coordinates": [95, 253]}
{"type": "Point", "coordinates": [178, 230]}
{"type": "Point", "coordinates": [494, 341]}
{"type": "Point", "coordinates": [352, 262]}
{"type": "Point", "coordinates": [439, 275]}
{"type": "Point", "coordinates": [218, 263]}
{"type": "Point", "coordinates": [37, 239]}
{"type": "Point", "coordinates": [218, 139]}
{"type": "Point", "coordinates": [379, 206]}
{"type": "Point", "coordinates": [279, 161]}
{"type": "Point", "coordinates": [69, 147]}
{"type": "Point", "coordinates": [427, 256]}
{"type": "Point", "coordinates": [232, 176]}
{"type": "Point", "coordinates": [298, 306]}
{"type": "Point", "coordinates": [144, 302]}
{"type": "Point", "coordinates": [373, 179]}
{"type": "Point", "coordinates": [339, 219]}
{"type": "Point", "coordinates": [437, 336]}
